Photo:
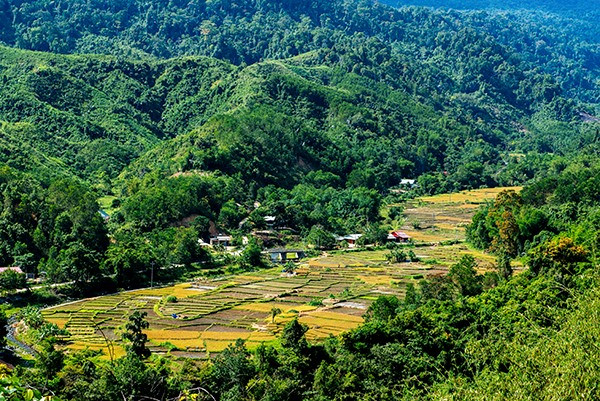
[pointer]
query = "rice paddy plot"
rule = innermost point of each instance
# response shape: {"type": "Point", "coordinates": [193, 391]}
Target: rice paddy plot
{"type": "Point", "coordinates": [444, 217]}
{"type": "Point", "coordinates": [329, 293]}
{"type": "Point", "coordinates": [204, 317]}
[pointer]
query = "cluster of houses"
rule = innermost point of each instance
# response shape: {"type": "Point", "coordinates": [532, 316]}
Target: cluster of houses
{"type": "Point", "coordinates": [283, 255]}
{"type": "Point", "coordinates": [351, 239]}
{"type": "Point", "coordinates": [394, 236]}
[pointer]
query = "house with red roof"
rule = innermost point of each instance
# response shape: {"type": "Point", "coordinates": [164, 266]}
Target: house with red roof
{"type": "Point", "coordinates": [398, 236]}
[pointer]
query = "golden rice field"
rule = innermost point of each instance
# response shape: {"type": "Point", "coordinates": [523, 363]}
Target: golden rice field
{"type": "Point", "coordinates": [329, 293]}
{"type": "Point", "coordinates": [476, 196]}
{"type": "Point", "coordinates": [444, 217]}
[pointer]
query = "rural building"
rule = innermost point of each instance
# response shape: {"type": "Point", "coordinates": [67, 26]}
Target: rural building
{"type": "Point", "coordinates": [221, 239]}
{"type": "Point", "coordinates": [398, 236]}
{"type": "Point", "coordinates": [350, 239]}
{"type": "Point", "coordinates": [285, 255]}
{"type": "Point", "coordinates": [270, 221]}
{"type": "Point", "coordinates": [202, 243]}
{"type": "Point", "coordinates": [104, 215]}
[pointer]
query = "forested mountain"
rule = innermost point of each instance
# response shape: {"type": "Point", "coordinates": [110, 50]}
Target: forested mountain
{"type": "Point", "coordinates": [572, 8]}
{"type": "Point", "coordinates": [490, 77]}
{"type": "Point", "coordinates": [251, 31]}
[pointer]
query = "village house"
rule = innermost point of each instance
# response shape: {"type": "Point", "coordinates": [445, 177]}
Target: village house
{"type": "Point", "coordinates": [350, 239]}
{"type": "Point", "coordinates": [270, 221]}
{"type": "Point", "coordinates": [278, 255]}
{"type": "Point", "coordinates": [408, 183]}
{"type": "Point", "coordinates": [221, 239]}
{"type": "Point", "coordinates": [398, 236]}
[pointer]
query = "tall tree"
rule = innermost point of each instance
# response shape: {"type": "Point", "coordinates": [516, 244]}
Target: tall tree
{"type": "Point", "coordinates": [135, 336]}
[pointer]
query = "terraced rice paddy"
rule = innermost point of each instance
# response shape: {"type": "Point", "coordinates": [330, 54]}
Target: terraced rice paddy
{"type": "Point", "coordinates": [208, 315]}
{"type": "Point", "coordinates": [329, 293]}
{"type": "Point", "coordinates": [444, 217]}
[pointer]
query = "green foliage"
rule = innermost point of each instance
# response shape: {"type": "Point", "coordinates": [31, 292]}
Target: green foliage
{"type": "Point", "coordinates": [274, 313]}
{"type": "Point", "coordinates": [230, 215]}
{"type": "Point", "coordinates": [384, 308]}
{"type": "Point", "coordinates": [316, 302]}
{"type": "Point", "coordinates": [251, 256]}
{"type": "Point", "coordinates": [293, 337]}
{"type": "Point", "coordinates": [320, 238]}
{"type": "Point", "coordinates": [56, 229]}
{"type": "Point", "coordinates": [32, 317]}
{"type": "Point", "coordinates": [160, 204]}
{"type": "Point", "coordinates": [11, 280]}
{"type": "Point", "coordinates": [3, 328]}
{"type": "Point", "coordinates": [134, 335]}
{"type": "Point", "coordinates": [13, 387]}
{"type": "Point", "coordinates": [559, 256]}
{"type": "Point", "coordinates": [465, 277]}
{"type": "Point", "coordinates": [49, 361]}
{"type": "Point", "coordinates": [374, 234]}
{"type": "Point", "coordinates": [396, 255]}
{"type": "Point", "coordinates": [232, 371]}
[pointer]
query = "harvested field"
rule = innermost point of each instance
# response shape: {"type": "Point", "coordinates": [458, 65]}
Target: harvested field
{"type": "Point", "coordinates": [204, 321]}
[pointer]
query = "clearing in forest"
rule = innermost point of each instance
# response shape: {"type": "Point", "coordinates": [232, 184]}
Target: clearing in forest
{"type": "Point", "coordinates": [329, 293]}
{"type": "Point", "coordinates": [444, 217]}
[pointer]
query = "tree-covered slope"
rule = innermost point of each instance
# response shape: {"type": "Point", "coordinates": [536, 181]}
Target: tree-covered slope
{"type": "Point", "coordinates": [251, 31]}
{"type": "Point", "coordinates": [368, 112]}
{"type": "Point", "coordinates": [367, 88]}
{"type": "Point", "coordinates": [92, 115]}
{"type": "Point", "coordinates": [571, 8]}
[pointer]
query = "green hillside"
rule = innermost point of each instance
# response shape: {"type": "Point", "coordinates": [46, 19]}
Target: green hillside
{"type": "Point", "coordinates": [419, 90]}
{"type": "Point", "coordinates": [317, 126]}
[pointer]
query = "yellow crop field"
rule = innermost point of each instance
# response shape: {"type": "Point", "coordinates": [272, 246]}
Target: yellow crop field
{"type": "Point", "coordinates": [266, 306]}
{"type": "Point", "coordinates": [312, 321]}
{"type": "Point", "coordinates": [376, 280]}
{"type": "Point", "coordinates": [60, 322]}
{"type": "Point", "coordinates": [337, 316]}
{"type": "Point", "coordinates": [473, 196]}
{"type": "Point", "coordinates": [181, 291]}
{"type": "Point", "coordinates": [259, 337]}
{"type": "Point", "coordinates": [117, 350]}
{"type": "Point", "coordinates": [190, 343]}
{"type": "Point", "coordinates": [217, 346]}
{"type": "Point", "coordinates": [426, 236]}
{"type": "Point", "coordinates": [223, 336]}
{"type": "Point", "coordinates": [172, 334]}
